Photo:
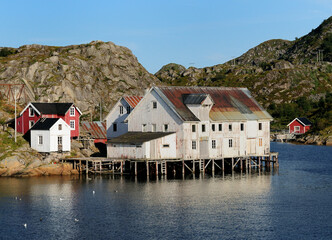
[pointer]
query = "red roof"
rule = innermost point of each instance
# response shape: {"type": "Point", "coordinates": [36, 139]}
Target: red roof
{"type": "Point", "coordinates": [132, 100]}
{"type": "Point", "coordinates": [229, 103]}
{"type": "Point", "coordinates": [97, 130]}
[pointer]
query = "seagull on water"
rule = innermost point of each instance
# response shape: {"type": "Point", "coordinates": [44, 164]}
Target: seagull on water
{"type": "Point", "coordinates": [61, 199]}
{"type": "Point", "coordinates": [76, 220]}
{"type": "Point", "coordinates": [93, 192]}
{"type": "Point", "coordinates": [25, 225]}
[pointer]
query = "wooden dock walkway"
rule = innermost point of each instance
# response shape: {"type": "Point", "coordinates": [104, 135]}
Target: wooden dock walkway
{"type": "Point", "coordinates": [172, 166]}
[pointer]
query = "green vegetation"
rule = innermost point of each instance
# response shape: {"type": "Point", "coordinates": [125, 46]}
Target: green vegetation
{"type": "Point", "coordinates": [319, 113]}
{"type": "Point", "coordinates": [327, 48]}
{"type": "Point", "coordinates": [4, 52]}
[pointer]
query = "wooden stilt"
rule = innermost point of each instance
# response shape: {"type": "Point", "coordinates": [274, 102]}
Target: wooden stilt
{"type": "Point", "coordinates": [241, 164]}
{"type": "Point", "coordinates": [213, 166]}
{"type": "Point", "coordinates": [183, 170]}
{"type": "Point", "coordinates": [194, 166]}
{"type": "Point", "coordinates": [135, 168]}
{"type": "Point", "coordinates": [74, 164]}
{"type": "Point", "coordinates": [223, 164]}
{"type": "Point", "coordinates": [157, 169]}
{"type": "Point", "coordinates": [259, 162]}
{"type": "Point", "coordinates": [80, 168]}
{"type": "Point", "coordinates": [86, 167]}
{"type": "Point", "coordinates": [232, 164]}
{"type": "Point", "coordinates": [147, 168]}
{"type": "Point", "coordinates": [121, 167]}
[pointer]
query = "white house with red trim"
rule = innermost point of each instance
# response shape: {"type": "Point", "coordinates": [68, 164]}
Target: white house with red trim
{"type": "Point", "coordinates": [34, 111]}
{"type": "Point", "coordinates": [115, 125]}
{"type": "Point", "coordinates": [299, 125]}
{"type": "Point", "coordinates": [50, 135]}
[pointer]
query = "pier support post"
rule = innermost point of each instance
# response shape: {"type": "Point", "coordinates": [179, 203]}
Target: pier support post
{"type": "Point", "coordinates": [147, 168]}
{"type": "Point", "coordinates": [157, 169]}
{"type": "Point", "coordinates": [183, 170]}
{"type": "Point", "coordinates": [223, 164]}
{"type": "Point", "coordinates": [213, 169]}
{"type": "Point", "coordinates": [74, 164]}
{"type": "Point", "coordinates": [193, 166]}
{"type": "Point", "coordinates": [232, 164]}
{"type": "Point", "coordinates": [259, 162]}
{"type": "Point", "coordinates": [121, 167]}
{"type": "Point", "coordinates": [241, 164]}
{"type": "Point", "coordinates": [135, 168]}
{"type": "Point", "coordinates": [86, 167]}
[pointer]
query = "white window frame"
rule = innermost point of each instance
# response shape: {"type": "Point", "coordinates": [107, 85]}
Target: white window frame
{"type": "Point", "coordinates": [121, 109]}
{"type": "Point", "coordinates": [214, 144]}
{"type": "Point", "coordinates": [166, 127]}
{"type": "Point", "coordinates": [60, 127]}
{"type": "Point", "coordinates": [241, 127]}
{"type": "Point", "coordinates": [220, 127]}
{"type": "Point", "coordinates": [154, 105]}
{"type": "Point", "coordinates": [40, 139]}
{"type": "Point", "coordinates": [203, 128]}
{"type": "Point", "coordinates": [230, 143]}
{"type": "Point", "coordinates": [31, 123]}
{"type": "Point", "coordinates": [144, 127]}
{"type": "Point", "coordinates": [72, 111]}
{"type": "Point", "coordinates": [193, 145]}
{"type": "Point", "coordinates": [70, 124]}
{"type": "Point", "coordinates": [31, 112]}
{"type": "Point", "coordinates": [60, 140]}
{"type": "Point", "coordinates": [297, 128]}
{"type": "Point", "coordinates": [260, 126]}
{"type": "Point", "coordinates": [230, 127]}
{"type": "Point", "coordinates": [213, 127]}
{"type": "Point", "coordinates": [193, 128]}
{"type": "Point", "coordinates": [128, 109]}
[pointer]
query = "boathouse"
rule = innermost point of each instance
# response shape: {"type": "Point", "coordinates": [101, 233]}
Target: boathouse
{"type": "Point", "coordinates": [190, 123]}
{"type": "Point", "coordinates": [34, 111]}
{"type": "Point", "coordinates": [299, 125]}
{"type": "Point", "coordinates": [50, 135]}
{"type": "Point", "coordinates": [115, 125]}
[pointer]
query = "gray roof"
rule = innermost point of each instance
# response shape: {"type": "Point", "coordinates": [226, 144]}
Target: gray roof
{"type": "Point", "coordinates": [197, 98]}
{"type": "Point", "coordinates": [52, 108]}
{"type": "Point", "coordinates": [138, 137]}
{"type": "Point", "coordinates": [305, 121]}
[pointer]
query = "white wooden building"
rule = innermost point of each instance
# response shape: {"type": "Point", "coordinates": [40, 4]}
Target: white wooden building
{"type": "Point", "coordinates": [115, 125]}
{"type": "Point", "coordinates": [50, 135]}
{"type": "Point", "coordinates": [194, 123]}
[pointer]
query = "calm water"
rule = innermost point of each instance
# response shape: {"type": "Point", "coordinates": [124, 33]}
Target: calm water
{"type": "Point", "coordinates": [295, 203]}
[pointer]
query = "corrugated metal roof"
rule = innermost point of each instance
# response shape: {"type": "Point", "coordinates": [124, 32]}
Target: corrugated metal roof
{"type": "Point", "coordinates": [229, 103]}
{"type": "Point", "coordinates": [132, 100]}
{"type": "Point", "coordinates": [138, 137]}
{"type": "Point", "coordinates": [96, 130]}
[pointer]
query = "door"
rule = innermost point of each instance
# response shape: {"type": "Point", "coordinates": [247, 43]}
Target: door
{"type": "Point", "coordinates": [59, 143]}
{"type": "Point", "coordinates": [251, 146]}
{"type": "Point", "coordinates": [204, 149]}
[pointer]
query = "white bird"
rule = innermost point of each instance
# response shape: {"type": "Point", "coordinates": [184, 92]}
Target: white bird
{"type": "Point", "coordinates": [76, 220]}
{"type": "Point", "coordinates": [93, 192]}
{"type": "Point", "coordinates": [15, 198]}
{"type": "Point", "coordinates": [25, 225]}
{"type": "Point", "coordinates": [115, 190]}
{"type": "Point", "coordinates": [61, 199]}
{"type": "Point", "coordinates": [20, 199]}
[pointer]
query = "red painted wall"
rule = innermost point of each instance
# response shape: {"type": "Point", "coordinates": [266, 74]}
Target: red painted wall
{"type": "Point", "coordinates": [23, 121]}
{"type": "Point", "coordinates": [303, 129]}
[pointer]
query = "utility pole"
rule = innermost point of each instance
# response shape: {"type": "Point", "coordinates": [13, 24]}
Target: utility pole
{"type": "Point", "coordinates": [15, 113]}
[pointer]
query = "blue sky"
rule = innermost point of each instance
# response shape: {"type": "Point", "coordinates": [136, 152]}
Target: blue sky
{"type": "Point", "coordinates": [190, 33]}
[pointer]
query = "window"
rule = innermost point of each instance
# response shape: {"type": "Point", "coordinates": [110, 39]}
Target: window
{"type": "Point", "coordinates": [261, 142]}
{"type": "Point", "coordinates": [165, 145]}
{"type": "Point", "coordinates": [193, 128]}
{"type": "Point", "coordinates": [143, 127]}
{"type": "Point", "coordinates": [213, 144]}
{"type": "Point", "coordinates": [72, 124]}
{"type": "Point", "coordinates": [230, 143]}
{"type": "Point", "coordinates": [60, 127]}
{"type": "Point", "coordinates": [297, 129]}
{"type": "Point", "coordinates": [230, 127]}
{"type": "Point", "coordinates": [165, 127]}
{"type": "Point", "coordinates": [213, 127]}
{"type": "Point", "coordinates": [242, 126]}
{"type": "Point", "coordinates": [193, 145]}
{"type": "Point", "coordinates": [59, 140]}
{"type": "Point", "coordinates": [31, 123]}
{"type": "Point", "coordinates": [203, 127]}
{"type": "Point", "coordinates": [154, 128]}
{"type": "Point", "coordinates": [260, 126]}
{"type": "Point", "coordinates": [128, 109]}
{"type": "Point", "coordinates": [121, 109]}
{"type": "Point", "coordinates": [154, 105]}
{"type": "Point", "coordinates": [115, 127]}
{"type": "Point", "coordinates": [220, 127]}
{"type": "Point", "coordinates": [138, 146]}
{"type": "Point", "coordinates": [31, 112]}
{"type": "Point", "coordinates": [72, 111]}
{"type": "Point", "coordinates": [40, 140]}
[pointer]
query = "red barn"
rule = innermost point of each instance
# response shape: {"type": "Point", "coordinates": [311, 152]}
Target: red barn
{"type": "Point", "coordinates": [34, 111]}
{"type": "Point", "coordinates": [299, 125]}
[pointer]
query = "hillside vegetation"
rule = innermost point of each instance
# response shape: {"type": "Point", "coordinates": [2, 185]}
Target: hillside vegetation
{"type": "Point", "coordinates": [290, 78]}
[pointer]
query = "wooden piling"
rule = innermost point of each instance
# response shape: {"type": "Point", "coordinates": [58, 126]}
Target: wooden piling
{"type": "Point", "coordinates": [157, 169]}
{"type": "Point", "coordinates": [121, 167]}
{"type": "Point", "coordinates": [135, 168]}
{"type": "Point", "coordinates": [147, 168]}
{"type": "Point", "coordinates": [86, 167]}
{"type": "Point", "coordinates": [213, 166]}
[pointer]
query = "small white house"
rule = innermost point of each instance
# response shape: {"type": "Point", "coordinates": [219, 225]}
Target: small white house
{"type": "Point", "coordinates": [50, 135]}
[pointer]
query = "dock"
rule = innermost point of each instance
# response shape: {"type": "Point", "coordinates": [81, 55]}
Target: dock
{"type": "Point", "coordinates": [175, 167]}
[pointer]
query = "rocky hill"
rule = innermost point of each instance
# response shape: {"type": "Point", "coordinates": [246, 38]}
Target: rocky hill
{"type": "Point", "coordinates": [84, 74]}
{"type": "Point", "coordinates": [276, 71]}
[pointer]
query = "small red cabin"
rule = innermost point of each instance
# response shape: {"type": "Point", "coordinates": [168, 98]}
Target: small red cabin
{"type": "Point", "coordinates": [299, 125]}
{"type": "Point", "coordinates": [34, 111]}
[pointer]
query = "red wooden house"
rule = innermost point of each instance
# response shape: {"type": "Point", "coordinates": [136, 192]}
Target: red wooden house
{"type": "Point", "coordinates": [299, 125]}
{"type": "Point", "coordinates": [34, 111]}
